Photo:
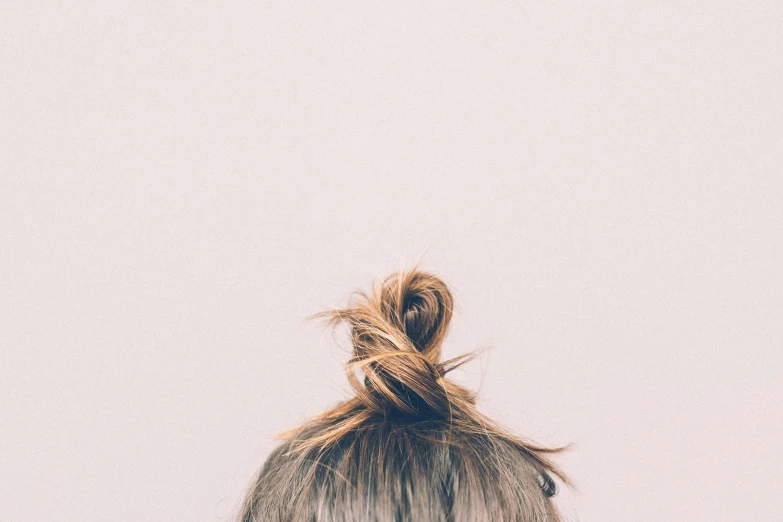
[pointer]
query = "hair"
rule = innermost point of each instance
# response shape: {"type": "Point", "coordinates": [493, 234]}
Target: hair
{"type": "Point", "coordinates": [410, 445]}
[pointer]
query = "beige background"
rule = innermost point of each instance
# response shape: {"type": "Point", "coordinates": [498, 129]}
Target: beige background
{"type": "Point", "coordinates": [183, 182]}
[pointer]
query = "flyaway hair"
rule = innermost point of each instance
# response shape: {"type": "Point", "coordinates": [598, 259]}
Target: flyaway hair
{"type": "Point", "coordinates": [410, 445]}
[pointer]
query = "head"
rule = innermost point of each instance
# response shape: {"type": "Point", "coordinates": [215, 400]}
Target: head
{"type": "Point", "coordinates": [410, 445]}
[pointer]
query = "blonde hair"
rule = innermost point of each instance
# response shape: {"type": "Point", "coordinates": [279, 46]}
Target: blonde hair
{"type": "Point", "coordinates": [411, 445]}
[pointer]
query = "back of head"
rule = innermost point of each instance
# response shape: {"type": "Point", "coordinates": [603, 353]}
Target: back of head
{"type": "Point", "coordinates": [410, 446]}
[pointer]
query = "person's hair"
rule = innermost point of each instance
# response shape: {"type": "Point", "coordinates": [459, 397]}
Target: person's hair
{"type": "Point", "coordinates": [411, 445]}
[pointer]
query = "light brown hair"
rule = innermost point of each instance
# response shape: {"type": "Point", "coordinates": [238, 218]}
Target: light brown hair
{"type": "Point", "coordinates": [411, 445]}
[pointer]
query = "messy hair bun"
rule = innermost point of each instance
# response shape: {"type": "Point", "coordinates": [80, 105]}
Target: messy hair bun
{"type": "Point", "coordinates": [410, 445]}
{"type": "Point", "coordinates": [397, 333]}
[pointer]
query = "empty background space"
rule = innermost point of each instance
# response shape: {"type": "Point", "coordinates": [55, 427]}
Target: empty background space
{"type": "Point", "coordinates": [181, 183]}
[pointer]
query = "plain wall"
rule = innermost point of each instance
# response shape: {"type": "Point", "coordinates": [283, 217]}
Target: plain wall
{"type": "Point", "coordinates": [182, 183]}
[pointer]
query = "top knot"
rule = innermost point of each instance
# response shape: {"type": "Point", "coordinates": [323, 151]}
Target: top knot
{"type": "Point", "coordinates": [397, 332]}
{"type": "Point", "coordinates": [420, 305]}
